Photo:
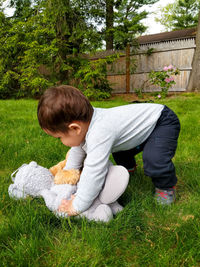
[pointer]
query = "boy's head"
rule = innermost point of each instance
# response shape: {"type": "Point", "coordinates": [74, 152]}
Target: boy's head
{"type": "Point", "coordinates": [60, 106]}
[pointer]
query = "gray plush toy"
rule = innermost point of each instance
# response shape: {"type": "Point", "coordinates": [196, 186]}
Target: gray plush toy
{"type": "Point", "coordinates": [37, 181]}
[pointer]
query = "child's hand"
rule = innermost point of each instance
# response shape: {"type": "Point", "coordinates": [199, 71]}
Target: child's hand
{"type": "Point", "coordinates": [67, 206]}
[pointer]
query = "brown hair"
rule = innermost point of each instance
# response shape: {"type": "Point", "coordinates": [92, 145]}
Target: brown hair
{"type": "Point", "coordinates": [61, 105]}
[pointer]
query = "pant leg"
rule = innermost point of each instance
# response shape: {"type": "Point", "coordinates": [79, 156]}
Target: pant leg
{"type": "Point", "coordinates": [159, 150]}
{"type": "Point", "coordinates": [126, 158]}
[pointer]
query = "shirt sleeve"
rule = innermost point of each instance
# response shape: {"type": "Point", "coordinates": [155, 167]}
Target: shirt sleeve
{"type": "Point", "coordinates": [94, 172]}
{"type": "Point", "coordinates": [75, 158]}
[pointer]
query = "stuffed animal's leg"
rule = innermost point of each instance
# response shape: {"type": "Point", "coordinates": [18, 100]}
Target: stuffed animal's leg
{"type": "Point", "coordinates": [115, 184]}
{"type": "Point", "coordinates": [98, 212]}
{"type": "Point", "coordinates": [102, 213]}
{"type": "Point", "coordinates": [115, 207]}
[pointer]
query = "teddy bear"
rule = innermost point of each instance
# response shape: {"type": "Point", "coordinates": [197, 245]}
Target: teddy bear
{"type": "Point", "coordinates": [62, 176]}
{"type": "Point", "coordinates": [36, 181]}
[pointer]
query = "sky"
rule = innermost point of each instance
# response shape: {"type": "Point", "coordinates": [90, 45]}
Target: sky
{"type": "Point", "coordinates": [154, 26]}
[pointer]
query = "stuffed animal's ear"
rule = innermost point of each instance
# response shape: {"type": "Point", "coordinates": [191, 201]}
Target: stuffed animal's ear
{"type": "Point", "coordinates": [15, 192]}
{"type": "Point", "coordinates": [115, 184]}
{"type": "Point", "coordinates": [56, 168]}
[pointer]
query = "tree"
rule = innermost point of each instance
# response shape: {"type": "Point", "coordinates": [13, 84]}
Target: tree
{"type": "Point", "coordinates": [193, 84]}
{"type": "Point", "coordinates": [128, 22]}
{"type": "Point", "coordinates": [121, 20]}
{"type": "Point", "coordinates": [109, 24]}
{"type": "Point", "coordinates": [165, 16]}
{"type": "Point", "coordinates": [179, 15]}
{"type": "Point", "coordinates": [51, 33]}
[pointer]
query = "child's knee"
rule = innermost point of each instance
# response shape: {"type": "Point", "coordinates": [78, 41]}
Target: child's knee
{"type": "Point", "coordinates": [158, 164]}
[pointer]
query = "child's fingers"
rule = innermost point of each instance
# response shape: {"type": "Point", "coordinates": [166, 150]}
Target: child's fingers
{"type": "Point", "coordinates": [64, 205]}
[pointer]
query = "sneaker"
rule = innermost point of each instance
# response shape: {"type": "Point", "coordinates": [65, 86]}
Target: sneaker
{"type": "Point", "coordinates": [132, 170]}
{"type": "Point", "coordinates": [165, 197]}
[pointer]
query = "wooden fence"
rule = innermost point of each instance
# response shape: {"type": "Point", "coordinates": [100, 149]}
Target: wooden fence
{"type": "Point", "coordinates": [178, 52]}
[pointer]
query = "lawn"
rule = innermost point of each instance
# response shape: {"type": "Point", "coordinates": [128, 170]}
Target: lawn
{"type": "Point", "coordinates": [143, 234]}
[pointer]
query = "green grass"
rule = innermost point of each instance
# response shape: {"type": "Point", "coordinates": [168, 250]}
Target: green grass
{"type": "Point", "coordinates": [143, 234]}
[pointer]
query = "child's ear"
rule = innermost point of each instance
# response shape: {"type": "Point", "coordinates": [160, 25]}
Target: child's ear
{"type": "Point", "coordinates": [75, 127]}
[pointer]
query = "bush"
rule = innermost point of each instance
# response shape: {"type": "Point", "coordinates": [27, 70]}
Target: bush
{"type": "Point", "coordinates": [164, 78]}
{"type": "Point", "coordinates": [92, 77]}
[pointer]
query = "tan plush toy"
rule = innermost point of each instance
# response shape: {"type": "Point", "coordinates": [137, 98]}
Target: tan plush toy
{"type": "Point", "coordinates": [61, 176]}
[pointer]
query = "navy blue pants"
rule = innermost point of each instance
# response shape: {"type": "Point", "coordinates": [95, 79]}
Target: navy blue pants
{"type": "Point", "coordinates": [158, 151]}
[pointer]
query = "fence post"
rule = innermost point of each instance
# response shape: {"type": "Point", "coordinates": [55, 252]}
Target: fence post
{"type": "Point", "coordinates": [128, 68]}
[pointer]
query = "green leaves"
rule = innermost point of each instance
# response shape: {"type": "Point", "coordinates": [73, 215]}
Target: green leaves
{"type": "Point", "coordinates": [128, 23]}
{"type": "Point", "coordinates": [92, 77]}
{"type": "Point", "coordinates": [164, 79]}
{"type": "Point", "coordinates": [179, 15]}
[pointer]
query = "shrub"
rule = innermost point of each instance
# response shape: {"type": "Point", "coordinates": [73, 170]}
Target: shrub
{"type": "Point", "coordinates": [164, 78]}
{"type": "Point", "coordinates": [92, 77]}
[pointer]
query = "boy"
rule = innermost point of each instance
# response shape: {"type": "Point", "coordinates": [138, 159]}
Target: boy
{"type": "Point", "coordinates": [93, 133]}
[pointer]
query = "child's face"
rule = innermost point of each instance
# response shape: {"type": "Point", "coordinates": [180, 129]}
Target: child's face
{"type": "Point", "coordinates": [74, 136]}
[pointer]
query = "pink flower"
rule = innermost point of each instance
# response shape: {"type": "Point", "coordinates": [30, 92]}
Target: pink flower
{"type": "Point", "coordinates": [167, 80]}
{"type": "Point", "coordinates": [158, 96]}
{"type": "Point", "coordinates": [170, 67]}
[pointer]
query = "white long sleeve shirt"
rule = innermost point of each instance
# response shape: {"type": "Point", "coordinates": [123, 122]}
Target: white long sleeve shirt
{"type": "Point", "coordinates": [110, 130]}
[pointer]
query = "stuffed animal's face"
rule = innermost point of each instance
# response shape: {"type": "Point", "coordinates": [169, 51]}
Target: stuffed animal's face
{"type": "Point", "coordinates": [30, 180]}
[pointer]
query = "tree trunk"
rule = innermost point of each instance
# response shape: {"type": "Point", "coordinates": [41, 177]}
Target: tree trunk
{"type": "Point", "coordinates": [128, 68]}
{"type": "Point", "coordinates": [194, 80]}
{"type": "Point", "coordinates": [109, 24]}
